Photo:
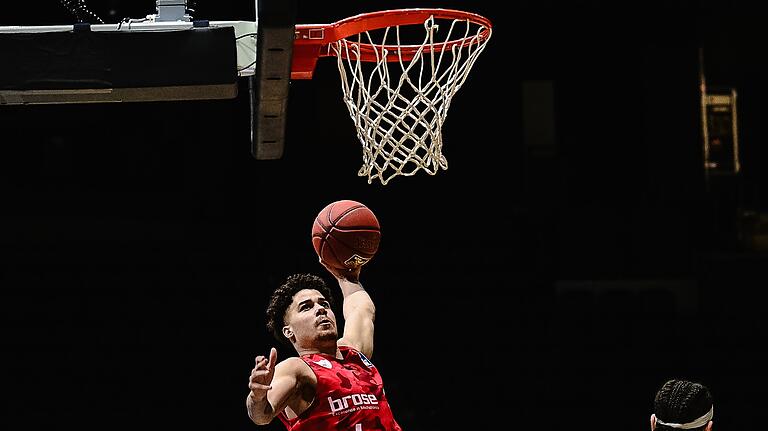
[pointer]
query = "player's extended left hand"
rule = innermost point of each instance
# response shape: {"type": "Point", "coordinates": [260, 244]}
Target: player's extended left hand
{"type": "Point", "coordinates": [260, 381]}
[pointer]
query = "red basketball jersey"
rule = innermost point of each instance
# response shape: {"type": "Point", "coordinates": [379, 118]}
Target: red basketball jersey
{"type": "Point", "coordinates": [349, 396]}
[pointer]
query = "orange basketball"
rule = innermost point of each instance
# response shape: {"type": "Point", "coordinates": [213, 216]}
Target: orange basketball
{"type": "Point", "coordinates": [346, 234]}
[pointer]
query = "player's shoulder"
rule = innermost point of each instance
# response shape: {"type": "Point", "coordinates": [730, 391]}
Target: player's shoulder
{"type": "Point", "coordinates": [292, 366]}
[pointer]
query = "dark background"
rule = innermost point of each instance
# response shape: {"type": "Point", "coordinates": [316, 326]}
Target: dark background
{"type": "Point", "coordinates": [551, 283]}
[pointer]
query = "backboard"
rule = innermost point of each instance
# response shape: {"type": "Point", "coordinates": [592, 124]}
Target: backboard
{"type": "Point", "coordinates": [166, 56]}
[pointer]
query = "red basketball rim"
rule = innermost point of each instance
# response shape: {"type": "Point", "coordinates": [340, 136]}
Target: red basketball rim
{"type": "Point", "coordinates": [319, 35]}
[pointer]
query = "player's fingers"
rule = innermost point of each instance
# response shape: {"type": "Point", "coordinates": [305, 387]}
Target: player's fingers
{"type": "Point", "coordinates": [272, 358]}
{"type": "Point", "coordinates": [259, 373]}
{"type": "Point", "coordinates": [259, 387]}
{"type": "Point", "coordinates": [260, 365]}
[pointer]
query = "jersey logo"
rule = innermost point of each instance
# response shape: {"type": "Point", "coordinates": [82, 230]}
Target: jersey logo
{"type": "Point", "coordinates": [352, 403]}
{"type": "Point", "coordinates": [324, 363]}
{"type": "Point", "coordinates": [365, 360]}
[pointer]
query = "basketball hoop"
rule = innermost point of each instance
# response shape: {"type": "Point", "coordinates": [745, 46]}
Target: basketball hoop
{"type": "Point", "coordinates": [399, 71]}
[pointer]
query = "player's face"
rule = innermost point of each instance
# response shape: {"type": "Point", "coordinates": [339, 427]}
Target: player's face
{"type": "Point", "coordinates": [310, 318]}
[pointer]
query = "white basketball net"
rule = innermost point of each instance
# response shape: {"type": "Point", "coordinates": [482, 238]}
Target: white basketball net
{"type": "Point", "coordinates": [399, 107]}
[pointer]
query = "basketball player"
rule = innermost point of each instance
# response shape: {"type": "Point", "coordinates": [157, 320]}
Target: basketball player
{"type": "Point", "coordinates": [682, 405]}
{"type": "Point", "coordinates": [332, 384]}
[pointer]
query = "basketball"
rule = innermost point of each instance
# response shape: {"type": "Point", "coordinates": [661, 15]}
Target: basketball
{"type": "Point", "coordinates": [346, 234]}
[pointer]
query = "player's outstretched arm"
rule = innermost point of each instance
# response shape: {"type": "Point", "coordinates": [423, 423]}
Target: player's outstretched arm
{"type": "Point", "coordinates": [359, 312]}
{"type": "Point", "coordinates": [271, 387]}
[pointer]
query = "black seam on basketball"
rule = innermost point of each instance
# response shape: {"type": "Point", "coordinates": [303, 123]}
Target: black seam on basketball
{"type": "Point", "coordinates": [357, 229]}
{"type": "Point", "coordinates": [328, 214]}
{"type": "Point", "coordinates": [345, 213]}
{"type": "Point", "coordinates": [322, 226]}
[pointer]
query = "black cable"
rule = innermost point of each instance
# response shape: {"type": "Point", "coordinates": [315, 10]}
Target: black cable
{"type": "Point", "coordinates": [246, 67]}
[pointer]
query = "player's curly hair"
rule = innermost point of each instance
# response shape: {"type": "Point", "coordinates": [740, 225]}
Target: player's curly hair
{"type": "Point", "coordinates": [681, 401]}
{"type": "Point", "coordinates": [283, 296]}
